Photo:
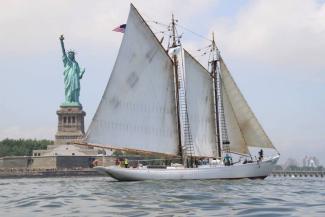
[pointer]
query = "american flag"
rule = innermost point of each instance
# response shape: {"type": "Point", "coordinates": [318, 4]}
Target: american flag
{"type": "Point", "coordinates": [120, 28]}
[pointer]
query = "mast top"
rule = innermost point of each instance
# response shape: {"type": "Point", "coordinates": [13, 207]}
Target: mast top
{"type": "Point", "coordinates": [214, 50]}
{"type": "Point", "coordinates": [173, 31]}
{"type": "Point", "coordinates": [213, 43]}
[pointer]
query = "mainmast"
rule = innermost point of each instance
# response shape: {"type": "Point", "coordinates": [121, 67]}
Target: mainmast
{"type": "Point", "coordinates": [175, 59]}
{"type": "Point", "coordinates": [215, 77]}
{"type": "Point", "coordinates": [221, 129]}
{"type": "Point", "coordinates": [186, 149]}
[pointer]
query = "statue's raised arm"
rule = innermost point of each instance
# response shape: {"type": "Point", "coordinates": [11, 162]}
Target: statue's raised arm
{"type": "Point", "coordinates": [62, 45]}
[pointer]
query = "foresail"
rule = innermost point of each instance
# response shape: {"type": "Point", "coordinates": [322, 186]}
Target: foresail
{"type": "Point", "coordinates": [235, 136]}
{"type": "Point", "coordinates": [199, 95]}
{"type": "Point", "coordinates": [252, 131]}
{"type": "Point", "coordinates": [138, 110]}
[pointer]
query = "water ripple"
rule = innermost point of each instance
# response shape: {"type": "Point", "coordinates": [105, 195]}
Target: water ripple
{"type": "Point", "coordinates": [102, 196]}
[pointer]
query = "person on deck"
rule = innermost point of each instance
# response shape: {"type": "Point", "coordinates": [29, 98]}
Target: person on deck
{"type": "Point", "coordinates": [126, 163]}
{"type": "Point", "coordinates": [227, 160]}
{"type": "Point", "coordinates": [261, 155]}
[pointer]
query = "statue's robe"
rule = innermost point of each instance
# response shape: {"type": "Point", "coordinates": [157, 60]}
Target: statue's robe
{"type": "Point", "coordinates": [72, 76]}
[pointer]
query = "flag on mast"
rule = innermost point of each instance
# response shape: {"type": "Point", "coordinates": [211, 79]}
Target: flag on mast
{"type": "Point", "coordinates": [120, 28]}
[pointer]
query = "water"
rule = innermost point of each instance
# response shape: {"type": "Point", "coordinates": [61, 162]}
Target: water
{"type": "Point", "coordinates": [101, 196]}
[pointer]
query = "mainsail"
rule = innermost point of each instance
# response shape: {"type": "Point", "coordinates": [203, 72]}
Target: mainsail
{"type": "Point", "coordinates": [241, 116]}
{"type": "Point", "coordinates": [199, 94]}
{"type": "Point", "coordinates": [138, 108]}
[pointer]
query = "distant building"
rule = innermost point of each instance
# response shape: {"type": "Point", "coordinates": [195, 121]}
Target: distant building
{"type": "Point", "coordinates": [310, 161]}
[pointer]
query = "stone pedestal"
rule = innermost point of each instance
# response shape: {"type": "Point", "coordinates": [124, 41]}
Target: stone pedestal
{"type": "Point", "coordinates": [70, 124]}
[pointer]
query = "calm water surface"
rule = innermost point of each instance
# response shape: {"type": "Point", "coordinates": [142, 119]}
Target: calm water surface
{"type": "Point", "coordinates": [101, 196]}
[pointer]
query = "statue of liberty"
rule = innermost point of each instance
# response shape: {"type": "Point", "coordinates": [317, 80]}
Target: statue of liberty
{"type": "Point", "coordinates": [72, 75]}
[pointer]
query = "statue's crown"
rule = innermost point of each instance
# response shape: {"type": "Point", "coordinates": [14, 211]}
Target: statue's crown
{"type": "Point", "coordinates": [71, 51]}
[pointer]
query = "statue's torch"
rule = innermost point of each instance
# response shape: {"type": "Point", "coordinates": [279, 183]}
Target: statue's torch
{"type": "Point", "coordinates": [62, 44]}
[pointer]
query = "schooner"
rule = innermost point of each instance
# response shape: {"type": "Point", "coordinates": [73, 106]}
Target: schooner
{"type": "Point", "coordinates": [165, 102]}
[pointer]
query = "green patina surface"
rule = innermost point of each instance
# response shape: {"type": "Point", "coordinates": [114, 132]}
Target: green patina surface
{"type": "Point", "coordinates": [72, 76]}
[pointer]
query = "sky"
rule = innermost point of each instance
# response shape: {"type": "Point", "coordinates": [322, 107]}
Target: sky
{"type": "Point", "coordinates": [275, 51]}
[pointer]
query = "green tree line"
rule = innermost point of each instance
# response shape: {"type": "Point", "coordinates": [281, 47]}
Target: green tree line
{"type": "Point", "coordinates": [22, 147]}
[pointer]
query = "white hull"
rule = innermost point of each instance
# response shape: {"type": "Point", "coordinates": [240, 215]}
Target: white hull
{"type": "Point", "coordinates": [237, 171]}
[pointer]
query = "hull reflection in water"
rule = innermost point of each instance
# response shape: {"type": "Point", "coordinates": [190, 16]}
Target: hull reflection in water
{"type": "Point", "coordinates": [237, 171]}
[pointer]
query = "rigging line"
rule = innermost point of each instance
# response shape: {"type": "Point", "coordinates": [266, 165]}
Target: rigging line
{"type": "Point", "coordinates": [197, 34]}
{"type": "Point", "coordinates": [199, 52]}
{"type": "Point", "coordinates": [158, 23]}
{"type": "Point", "coordinates": [183, 27]}
{"type": "Point", "coordinates": [161, 32]}
{"type": "Point", "coordinates": [157, 29]}
{"type": "Point", "coordinates": [197, 56]}
{"type": "Point", "coordinates": [204, 48]}
{"type": "Point", "coordinates": [153, 21]}
{"type": "Point", "coordinates": [187, 29]}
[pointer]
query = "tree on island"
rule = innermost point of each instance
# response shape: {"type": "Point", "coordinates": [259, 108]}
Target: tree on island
{"type": "Point", "coordinates": [22, 147]}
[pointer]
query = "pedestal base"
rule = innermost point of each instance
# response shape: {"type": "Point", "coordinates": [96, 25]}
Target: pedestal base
{"type": "Point", "coordinates": [70, 124]}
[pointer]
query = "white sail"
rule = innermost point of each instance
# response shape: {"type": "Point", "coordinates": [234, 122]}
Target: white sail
{"type": "Point", "coordinates": [138, 110]}
{"type": "Point", "coordinates": [235, 136]}
{"type": "Point", "coordinates": [252, 131]}
{"type": "Point", "coordinates": [199, 95]}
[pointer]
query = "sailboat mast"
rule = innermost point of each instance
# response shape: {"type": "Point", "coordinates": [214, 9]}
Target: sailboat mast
{"type": "Point", "coordinates": [173, 32]}
{"type": "Point", "coordinates": [215, 76]}
{"type": "Point", "coordinates": [180, 150]}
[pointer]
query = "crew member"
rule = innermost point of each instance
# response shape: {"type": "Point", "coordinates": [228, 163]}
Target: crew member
{"type": "Point", "coordinates": [227, 160]}
{"type": "Point", "coordinates": [260, 153]}
{"type": "Point", "coordinates": [126, 163]}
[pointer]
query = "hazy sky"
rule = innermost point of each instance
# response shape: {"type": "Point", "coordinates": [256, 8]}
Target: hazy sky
{"type": "Point", "coordinates": [274, 49]}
